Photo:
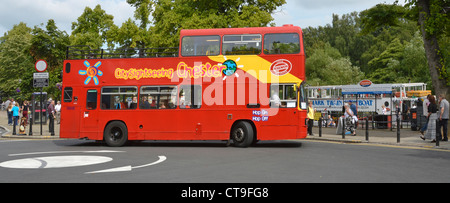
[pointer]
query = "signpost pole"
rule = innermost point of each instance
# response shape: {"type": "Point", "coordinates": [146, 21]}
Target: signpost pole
{"type": "Point", "coordinates": [40, 113]}
{"type": "Point", "coordinates": [40, 79]}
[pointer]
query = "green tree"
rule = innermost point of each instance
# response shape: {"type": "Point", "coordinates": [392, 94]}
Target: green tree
{"type": "Point", "coordinates": [50, 45]}
{"type": "Point", "coordinates": [434, 25]}
{"type": "Point", "coordinates": [343, 34]}
{"type": "Point", "coordinates": [394, 51]}
{"type": "Point", "coordinates": [16, 63]}
{"type": "Point", "coordinates": [414, 63]}
{"type": "Point", "coordinates": [130, 36]}
{"type": "Point", "coordinates": [380, 17]}
{"type": "Point", "coordinates": [91, 28]}
{"type": "Point", "coordinates": [143, 11]}
{"type": "Point", "coordinates": [170, 16]}
{"type": "Point", "coordinates": [326, 66]}
{"type": "Point", "coordinates": [432, 17]}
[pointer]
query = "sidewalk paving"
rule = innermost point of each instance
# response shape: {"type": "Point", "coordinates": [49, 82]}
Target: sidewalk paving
{"type": "Point", "coordinates": [378, 136]}
{"type": "Point", "coordinates": [36, 130]}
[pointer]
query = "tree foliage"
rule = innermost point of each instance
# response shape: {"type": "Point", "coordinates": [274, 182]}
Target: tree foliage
{"type": "Point", "coordinates": [326, 66]}
{"type": "Point", "coordinates": [383, 41]}
{"type": "Point", "coordinates": [433, 20]}
{"type": "Point", "coordinates": [91, 28]}
{"type": "Point", "coordinates": [156, 23]}
{"type": "Point", "coordinates": [170, 16]}
{"type": "Point", "coordinates": [15, 60]}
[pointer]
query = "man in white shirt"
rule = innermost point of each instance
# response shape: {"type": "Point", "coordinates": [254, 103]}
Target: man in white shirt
{"type": "Point", "coordinates": [58, 112]}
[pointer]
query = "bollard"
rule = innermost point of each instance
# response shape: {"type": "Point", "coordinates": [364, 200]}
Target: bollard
{"type": "Point", "coordinates": [14, 125]}
{"type": "Point", "coordinates": [31, 126]}
{"type": "Point", "coordinates": [367, 129]}
{"type": "Point", "coordinates": [343, 127]}
{"type": "Point", "coordinates": [320, 127]}
{"type": "Point", "coordinates": [438, 132]}
{"type": "Point", "coordinates": [398, 129]}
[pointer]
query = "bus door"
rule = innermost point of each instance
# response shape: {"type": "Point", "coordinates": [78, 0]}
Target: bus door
{"type": "Point", "coordinates": [90, 117]}
{"type": "Point", "coordinates": [70, 111]}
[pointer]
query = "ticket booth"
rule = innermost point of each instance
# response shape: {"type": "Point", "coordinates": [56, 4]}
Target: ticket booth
{"type": "Point", "coordinates": [35, 107]}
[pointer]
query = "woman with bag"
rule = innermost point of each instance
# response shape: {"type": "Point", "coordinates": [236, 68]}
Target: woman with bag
{"type": "Point", "coordinates": [432, 117]}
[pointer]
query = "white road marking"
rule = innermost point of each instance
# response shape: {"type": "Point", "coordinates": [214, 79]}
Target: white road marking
{"type": "Point", "coordinates": [55, 162]}
{"type": "Point", "coordinates": [128, 168]}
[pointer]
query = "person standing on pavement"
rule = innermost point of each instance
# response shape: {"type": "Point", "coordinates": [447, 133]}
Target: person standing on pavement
{"type": "Point", "coordinates": [24, 109]}
{"type": "Point", "coordinates": [426, 103]}
{"type": "Point", "coordinates": [7, 103]}
{"type": "Point", "coordinates": [51, 115]}
{"type": "Point", "coordinates": [10, 113]}
{"type": "Point", "coordinates": [432, 117]}
{"type": "Point", "coordinates": [58, 112]}
{"type": "Point", "coordinates": [444, 115]}
{"type": "Point", "coordinates": [310, 116]}
{"type": "Point", "coordinates": [355, 112]}
{"type": "Point", "coordinates": [15, 113]}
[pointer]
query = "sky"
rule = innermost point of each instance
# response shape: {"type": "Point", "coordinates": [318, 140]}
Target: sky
{"type": "Point", "coordinates": [302, 13]}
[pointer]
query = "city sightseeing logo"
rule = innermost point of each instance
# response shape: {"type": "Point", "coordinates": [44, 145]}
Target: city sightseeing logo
{"type": "Point", "coordinates": [231, 67]}
{"type": "Point", "coordinates": [92, 72]}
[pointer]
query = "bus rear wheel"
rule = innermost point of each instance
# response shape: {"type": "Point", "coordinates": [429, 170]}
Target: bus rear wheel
{"type": "Point", "coordinates": [242, 134]}
{"type": "Point", "coordinates": [115, 134]}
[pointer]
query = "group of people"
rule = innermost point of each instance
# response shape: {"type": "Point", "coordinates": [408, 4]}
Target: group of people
{"type": "Point", "coordinates": [435, 111]}
{"type": "Point", "coordinates": [13, 110]}
{"type": "Point", "coordinates": [350, 113]}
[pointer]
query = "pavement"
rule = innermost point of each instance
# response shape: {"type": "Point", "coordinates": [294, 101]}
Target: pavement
{"type": "Point", "coordinates": [6, 130]}
{"type": "Point", "coordinates": [408, 138]}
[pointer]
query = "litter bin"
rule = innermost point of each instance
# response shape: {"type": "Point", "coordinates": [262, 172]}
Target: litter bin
{"type": "Point", "coordinates": [414, 117]}
{"type": "Point", "coordinates": [382, 121]}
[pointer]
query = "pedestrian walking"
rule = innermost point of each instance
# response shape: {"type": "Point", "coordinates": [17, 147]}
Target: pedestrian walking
{"type": "Point", "coordinates": [432, 117]}
{"type": "Point", "coordinates": [15, 114]}
{"type": "Point", "coordinates": [443, 116]}
{"type": "Point", "coordinates": [311, 112]}
{"type": "Point", "coordinates": [51, 116]}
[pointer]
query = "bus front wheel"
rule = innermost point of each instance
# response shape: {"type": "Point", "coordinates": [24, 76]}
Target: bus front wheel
{"type": "Point", "coordinates": [242, 134]}
{"type": "Point", "coordinates": [115, 134]}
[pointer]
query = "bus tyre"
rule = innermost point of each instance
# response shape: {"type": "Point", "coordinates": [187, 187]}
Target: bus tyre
{"type": "Point", "coordinates": [115, 134]}
{"type": "Point", "coordinates": [242, 134]}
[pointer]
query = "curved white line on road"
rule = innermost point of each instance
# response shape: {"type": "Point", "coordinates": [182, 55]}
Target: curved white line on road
{"type": "Point", "coordinates": [128, 168]}
{"type": "Point", "coordinates": [161, 159]}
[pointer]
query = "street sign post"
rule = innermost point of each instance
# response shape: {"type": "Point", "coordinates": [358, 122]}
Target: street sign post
{"type": "Point", "coordinates": [40, 79]}
{"type": "Point", "coordinates": [40, 66]}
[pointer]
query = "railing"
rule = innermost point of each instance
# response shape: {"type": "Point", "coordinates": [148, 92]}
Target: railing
{"type": "Point", "coordinates": [364, 123]}
{"type": "Point", "coordinates": [85, 52]}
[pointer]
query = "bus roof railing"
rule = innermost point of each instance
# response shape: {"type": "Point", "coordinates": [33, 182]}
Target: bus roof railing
{"type": "Point", "coordinates": [85, 52]}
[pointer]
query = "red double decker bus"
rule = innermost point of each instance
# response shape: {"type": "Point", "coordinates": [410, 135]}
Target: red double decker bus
{"type": "Point", "coordinates": [239, 84]}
